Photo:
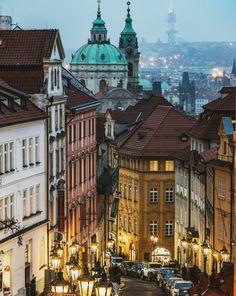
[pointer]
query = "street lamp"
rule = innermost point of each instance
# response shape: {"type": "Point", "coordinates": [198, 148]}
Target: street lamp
{"type": "Point", "coordinates": [195, 246]}
{"type": "Point", "coordinates": [86, 283]}
{"type": "Point", "coordinates": [56, 262]}
{"type": "Point", "coordinates": [184, 243]}
{"type": "Point", "coordinates": [59, 251]}
{"type": "Point", "coordinates": [110, 244]}
{"type": "Point", "coordinates": [206, 251]}
{"type": "Point", "coordinates": [94, 247]}
{"type": "Point", "coordinates": [225, 254]}
{"type": "Point", "coordinates": [59, 285]}
{"type": "Point", "coordinates": [73, 248]}
{"type": "Point", "coordinates": [154, 240]}
{"type": "Point", "coordinates": [103, 287]}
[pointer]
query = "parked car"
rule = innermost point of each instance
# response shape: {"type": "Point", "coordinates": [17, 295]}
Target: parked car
{"type": "Point", "coordinates": [170, 282]}
{"type": "Point", "coordinates": [180, 285]}
{"type": "Point", "coordinates": [164, 273]}
{"type": "Point", "coordinates": [126, 266]}
{"type": "Point", "coordinates": [183, 292]}
{"type": "Point", "coordinates": [136, 269]}
{"type": "Point", "coordinates": [149, 270]}
{"type": "Point", "coordinates": [116, 260]}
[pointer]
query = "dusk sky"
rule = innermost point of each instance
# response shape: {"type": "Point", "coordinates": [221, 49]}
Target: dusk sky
{"type": "Point", "coordinates": [197, 20]}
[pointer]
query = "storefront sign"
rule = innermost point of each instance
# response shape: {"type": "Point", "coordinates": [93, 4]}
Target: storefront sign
{"type": "Point", "coordinates": [60, 294]}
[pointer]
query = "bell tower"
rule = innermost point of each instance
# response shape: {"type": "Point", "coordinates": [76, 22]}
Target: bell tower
{"type": "Point", "coordinates": [233, 75]}
{"type": "Point", "coordinates": [128, 44]}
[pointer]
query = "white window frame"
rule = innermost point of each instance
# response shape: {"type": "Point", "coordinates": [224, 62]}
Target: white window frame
{"type": "Point", "coordinates": [153, 195]}
{"type": "Point", "coordinates": [37, 197]}
{"type": "Point", "coordinates": [30, 151]}
{"type": "Point", "coordinates": [24, 153]}
{"type": "Point", "coordinates": [169, 228]}
{"type": "Point", "coordinates": [169, 195]}
{"type": "Point", "coordinates": [153, 227]}
{"type": "Point", "coordinates": [37, 150]}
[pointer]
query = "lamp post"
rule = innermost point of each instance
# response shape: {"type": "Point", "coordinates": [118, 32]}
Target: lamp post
{"type": "Point", "coordinates": [206, 251]}
{"type": "Point", "coordinates": [195, 246]}
{"type": "Point", "coordinates": [225, 254]}
{"type": "Point", "coordinates": [103, 287]}
{"type": "Point", "coordinates": [154, 240]}
{"type": "Point", "coordinates": [86, 283]}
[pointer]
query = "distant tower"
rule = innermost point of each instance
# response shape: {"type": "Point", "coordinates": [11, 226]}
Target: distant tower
{"type": "Point", "coordinates": [171, 20]}
{"type": "Point", "coordinates": [187, 94]}
{"type": "Point", "coordinates": [233, 75]}
{"type": "Point", "coordinates": [5, 22]}
{"type": "Point", "coordinates": [128, 44]}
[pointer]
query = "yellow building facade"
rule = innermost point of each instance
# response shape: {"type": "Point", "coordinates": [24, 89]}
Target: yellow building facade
{"type": "Point", "coordinates": [146, 209]}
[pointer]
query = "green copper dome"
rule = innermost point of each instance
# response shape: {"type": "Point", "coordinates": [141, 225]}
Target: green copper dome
{"type": "Point", "coordinates": [98, 54]}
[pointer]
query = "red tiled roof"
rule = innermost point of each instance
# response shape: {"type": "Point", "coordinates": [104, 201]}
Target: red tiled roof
{"type": "Point", "coordinates": [159, 134]}
{"type": "Point", "coordinates": [28, 80]}
{"type": "Point", "coordinates": [77, 98]}
{"type": "Point", "coordinates": [209, 154]}
{"type": "Point", "coordinates": [18, 114]}
{"type": "Point", "coordinates": [26, 47]}
{"type": "Point", "coordinates": [221, 104]}
{"type": "Point", "coordinates": [139, 111]}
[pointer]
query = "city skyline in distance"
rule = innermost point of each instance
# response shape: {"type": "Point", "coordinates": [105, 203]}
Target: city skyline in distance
{"type": "Point", "coordinates": [196, 20]}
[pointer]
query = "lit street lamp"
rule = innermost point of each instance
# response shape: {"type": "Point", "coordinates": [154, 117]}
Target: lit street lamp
{"type": "Point", "coordinates": [56, 262]}
{"type": "Point", "coordinates": [225, 254]}
{"type": "Point", "coordinates": [59, 285]}
{"type": "Point", "coordinates": [154, 240]}
{"type": "Point", "coordinates": [206, 251]}
{"type": "Point", "coordinates": [86, 283]}
{"type": "Point", "coordinates": [103, 287]}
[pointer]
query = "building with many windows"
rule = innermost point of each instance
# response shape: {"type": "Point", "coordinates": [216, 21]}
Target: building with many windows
{"type": "Point", "coordinates": [23, 192]}
{"type": "Point", "coordinates": [147, 184]}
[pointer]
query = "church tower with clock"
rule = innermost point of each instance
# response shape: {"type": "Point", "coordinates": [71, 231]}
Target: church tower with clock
{"type": "Point", "coordinates": [129, 47]}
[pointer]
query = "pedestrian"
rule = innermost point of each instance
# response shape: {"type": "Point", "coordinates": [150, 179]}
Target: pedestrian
{"type": "Point", "coordinates": [33, 286]}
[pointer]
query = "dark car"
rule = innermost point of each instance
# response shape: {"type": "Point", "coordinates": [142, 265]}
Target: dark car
{"type": "Point", "coordinates": [183, 292]}
{"type": "Point", "coordinates": [136, 269]}
{"type": "Point", "coordinates": [164, 273]}
{"type": "Point", "coordinates": [126, 266]}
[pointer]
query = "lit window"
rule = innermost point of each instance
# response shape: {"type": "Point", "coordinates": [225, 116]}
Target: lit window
{"type": "Point", "coordinates": [169, 195]}
{"type": "Point", "coordinates": [153, 227]}
{"type": "Point", "coordinates": [169, 228]}
{"type": "Point", "coordinates": [153, 165]}
{"type": "Point", "coordinates": [153, 195]}
{"type": "Point", "coordinates": [169, 165]}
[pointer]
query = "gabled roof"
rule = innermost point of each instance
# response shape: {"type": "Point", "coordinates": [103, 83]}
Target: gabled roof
{"type": "Point", "coordinates": [159, 134]}
{"type": "Point", "coordinates": [139, 111]}
{"type": "Point", "coordinates": [224, 103]}
{"type": "Point", "coordinates": [27, 47]}
{"type": "Point", "coordinates": [16, 107]}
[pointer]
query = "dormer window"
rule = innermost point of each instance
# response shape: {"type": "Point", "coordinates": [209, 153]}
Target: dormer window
{"type": "Point", "coordinates": [224, 147]}
{"type": "Point", "coordinates": [82, 56]}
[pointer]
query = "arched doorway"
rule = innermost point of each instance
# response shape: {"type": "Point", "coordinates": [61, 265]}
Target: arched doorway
{"type": "Point", "coordinates": [132, 252]}
{"type": "Point", "coordinates": [161, 254]}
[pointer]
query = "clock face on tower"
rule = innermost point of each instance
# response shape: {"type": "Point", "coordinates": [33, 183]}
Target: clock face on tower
{"type": "Point", "coordinates": [129, 39]}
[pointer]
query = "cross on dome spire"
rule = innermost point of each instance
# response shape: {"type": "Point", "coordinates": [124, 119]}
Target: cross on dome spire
{"type": "Point", "coordinates": [128, 9]}
{"type": "Point", "coordinates": [99, 8]}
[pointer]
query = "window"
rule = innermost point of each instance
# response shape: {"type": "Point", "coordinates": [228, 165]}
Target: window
{"type": "Point", "coordinates": [1, 209]}
{"type": "Point", "coordinates": [224, 147]}
{"type": "Point", "coordinates": [37, 159]}
{"type": "Point", "coordinates": [153, 195]}
{"type": "Point", "coordinates": [70, 134]}
{"type": "Point", "coordinates": [56, 118]}
{"type": "Point", "coordinates": [153, 165]}
{"type": "Point", "coordinates": [31, 200]}
{"type": "Point", "coordinates": [135, 193]}
{"type": "Point", "coordinates": [74, 133]}
{"type": "Point", "coordinates": [52, 86]}
{"type": "Point", "coordinates": [11, 206]}
{"type": "Point", "coordinates": [125, 191]}
{"type": "Point", "coordinates": [221, 186]}
{"type": "Point", "coordinates": [30, 147]}
{"type": "Point", "coordinates": [109, 129]}
{"type": "Point", "coordinates": [25, 203]}
{"type": "Point", "coordinates": [130, 192]}
{"type": "Point", "coordinates": [124, 225]}
{"type": "Point", "coordinates": [42, 251]}
{"type": "Point", "coordinates": [37, 195]}
{"type": "Point", "coordinates": [11, 155]}
{"type": "Point", "coordinates": [169, 228]}
{"type": "Point", "coordinates": [169, 165]}
{"type": "Point", "coordinates": [61, 117]}
{"type": "Point", "coordinates": [58, 78]}
{"type": "Point", "coordinates": [51, 163]}
{"type": "Point", "coordinates": [129, 225]}
{"type": "Point", "coordinates": [50, 120]}
{"type": "Point", "coordinates": [169, 195]}
{"type": "Point", "coordinates": [6, 164]}
{"type": "Point", "coordinates": [153, 227]}
{"type": "Point", "coordinates": [62, 160]}
{"type": "Point", "coordinates": [57, 162]}
{"type": "Point", "coordinates": [24, 154]}
{"type": "Point", "coordinates": [6, 213]}
{"type": "Point", "coordinates": [135, 227]}
{"type": "Point", "coordinates": [120, 221]}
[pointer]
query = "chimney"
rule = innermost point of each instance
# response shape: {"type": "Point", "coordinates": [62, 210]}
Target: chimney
{"type": "Point", "coordinates": [156, 87]}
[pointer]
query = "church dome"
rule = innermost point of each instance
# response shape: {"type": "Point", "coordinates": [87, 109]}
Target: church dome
{"type": "Point", "coordinates": [98, 54]}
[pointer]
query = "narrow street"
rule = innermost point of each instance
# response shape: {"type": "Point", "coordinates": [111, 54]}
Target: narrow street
{"type": "Point", "coordinates": [138, 287]}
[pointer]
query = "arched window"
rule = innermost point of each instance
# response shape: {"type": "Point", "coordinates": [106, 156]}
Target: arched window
{"type": "Point", "coordinates": [130, 70]}
{"type": "Point", "coordinates": [55, 77]}
{"type": "Point", "coordinates": [102, 84]}
{"type": "Point", "coordinates": [82, 81]}
{"type": "Point", "coordinates": [58, 78]}
{"type": "Point", "coordinates": [99, 37]}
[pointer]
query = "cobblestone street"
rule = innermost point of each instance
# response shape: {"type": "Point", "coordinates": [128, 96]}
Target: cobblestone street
{"type": "Point", "coordinates": [137, 287]}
